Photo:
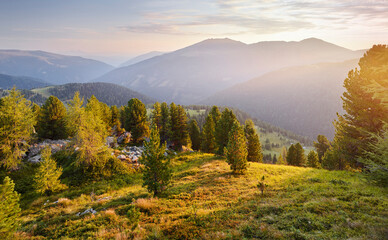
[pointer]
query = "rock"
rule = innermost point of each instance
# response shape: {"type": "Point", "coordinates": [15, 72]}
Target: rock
{"type": "Point", "coordinates": [55, 145]}
{"type": "Point", "coordinates": [90, 210]}
{"type": "Point", "coordinates": [35, 159]}
{"type": "Point", "coordinates": [165, 154]}
{"type": "Point", "coordinates": [104, 198]}
{"type": "Point", "coordinates": [124, 138]}
{"type": "Point", "coordinates": [110, 142]}
{"type": "Point", "coordinates": [121, 157]}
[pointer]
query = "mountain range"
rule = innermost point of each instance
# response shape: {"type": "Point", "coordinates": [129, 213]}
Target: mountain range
{"type": "Point", "coordinates": [295, 85]}
{"type": "Point", "coordinates": [20, 82]}
{"type": "Point", "coordinates": [141, 58]}
{"type": "Point", "coordinates": [50, 67]}
{"type": "Point", "coordinates": [304, 99]}
{"type": "Point", "coordinates": [191, 74]}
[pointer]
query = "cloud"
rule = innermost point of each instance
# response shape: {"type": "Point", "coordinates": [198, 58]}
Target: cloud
{"type": "Point", "coordinates": [263, 17]}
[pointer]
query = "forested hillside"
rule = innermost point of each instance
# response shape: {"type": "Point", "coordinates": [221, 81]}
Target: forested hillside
{"type": "Point", "coordinates": [108, 93]}
{"type": "Point", "coordinates": [302, 99]}
{"type": "Point", "coordinates": [20, 82]}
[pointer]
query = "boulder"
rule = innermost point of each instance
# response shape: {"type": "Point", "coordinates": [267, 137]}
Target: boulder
{"type": "Point", "coordinates": [35, 159]}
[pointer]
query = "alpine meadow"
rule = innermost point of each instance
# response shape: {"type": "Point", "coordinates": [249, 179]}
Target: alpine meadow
{"type": "Point", "coordinates": [229, 119]}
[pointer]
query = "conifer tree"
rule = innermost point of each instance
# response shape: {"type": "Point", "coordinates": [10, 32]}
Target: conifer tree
{"type": "Point", "coordinates": [313, 160]}
{"type": "Point", "coordinates": [73, 118]}
{"type": "Point", "coordinates": [9, 209]}
{"type": "Point", "coordinates": [236, 150]}
{"type": "Point", "coordinates": [164, 122]}
{"type": "Point", "coordinates": [365, 113]}
{"type": "Point", "coordinates": [274, 159]}
{"type": "Point", "coordinates": [157, 172]}
{"type": "Point", "coordinates": [255, 153]}
{"type": "Point", "coordinates": [100, 110]}
{"type": "Point", "coordinates": [183, 130]}
{"type": "Point", "coordinates": [224, 126]}
{"type": "Point", "coordinates": [115, 119]}
{"type": "Point", "coordinates": [90, 141]}
{"type": "Point", "coordinates": [51, 119]}
{"type": "Point", "coordinates": [174, 122]}
{"type": "Point", "coordinates": [281, 160]}
{"type": "Point", "coordinates": [136, 120]}
{"type": "Point", "coordinates": [16, 126]}
{"type": "Point", "coordinates": [216, 115]}
{"type": "Point", "coordinates": [208, 140]}
{"type": "Point", "coordinates": [295, 155]}
{"type": "Point", "coordinates": [321, 146]}
{"type": "Point", "coordinates": [195, 135]}
{"type": "Point", "coordinates": [47, 175]}
{"type": "Point", "coordinates": [156, 115]}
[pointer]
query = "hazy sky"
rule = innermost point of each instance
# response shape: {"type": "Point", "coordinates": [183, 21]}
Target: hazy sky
{"type": "Point", "coordinates": [115, 30]}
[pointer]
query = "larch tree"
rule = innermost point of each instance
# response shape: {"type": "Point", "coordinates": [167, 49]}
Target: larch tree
{"type": "Point", "coordinates": [216, 114]}
{"type": "Point", "coordinates": [136, 120]}
{"type": "Point", "coordinates": [208, 139]}
{"type": "Point", "coordinates": [255, 153]}
{"type": "Point", "coordinates": [46, 179]}
{"type": "Point", "coordinates": [236, 150]}
{"type": "Point", "coordinates": [73, 118]}
{"type": "Point", "coordinates": [157, 171]}
{"type": "Point", "coordinates": [195, 135]}
{"type": "Point", "coordinates": [51, 119]}
{"type": "Point", "coordinates": [16, 127]}
{"type": "Point", "coordinates": [9, 209]}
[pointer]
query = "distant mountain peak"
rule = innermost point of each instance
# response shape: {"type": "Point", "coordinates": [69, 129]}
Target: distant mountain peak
{"type": "Point", "coordinates": [219, 41]}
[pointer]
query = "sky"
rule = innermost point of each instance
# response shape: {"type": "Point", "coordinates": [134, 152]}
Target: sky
{"type": "Point", "coordinates": [116, 30]}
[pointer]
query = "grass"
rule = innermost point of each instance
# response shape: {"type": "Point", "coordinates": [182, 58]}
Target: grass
{"type": "Point", "coordinates": [205, 201]}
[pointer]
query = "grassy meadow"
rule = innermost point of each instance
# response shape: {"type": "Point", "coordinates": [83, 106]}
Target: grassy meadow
{"type": "Point", "coordinates": [205, 201]}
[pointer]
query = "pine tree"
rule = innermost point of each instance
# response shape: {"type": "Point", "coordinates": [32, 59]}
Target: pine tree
{"type": "Point", "coordinates": [321, 146]}
{"type": "Point", "coordinates": [136, 120]}
{"type": "Point", "coordinates": [9, 209]}
{"type": "Point", "coordinates": [156, 115]}
{"type": "Point", "coordinates": [115, 119]}
{"type": "Point", "coordinates": [174, 123]}
{"type": "Point", "coordinates": [208, 140]}
{"type": "Point", "coordinates": [274, 159]}
{"type": "Point", "coordinates": [157, 171]}
{"type": "Point", "coordinates": [195, 135]}
{"type": "Point", "coordinates": [313, 160]}
{"type": "Point", "coordinates": [376, 161]}
{"type": "Point", "coordinates": [183, 130]}
{"type": "Point", "coordinates": [365, 113]}
{"type": "Point", "coordinates": [51, 119]}
{"type": "Point", "coordinates": [47, 175]}
{"type": "Point", "coordinates": [236, 150]}
{"type": "Point", "coordinates": [295, 155]}
{"type": "Point", "coordinates": [255, 153]}
{"type": "Point", "coordinates": [223, 127]}
{"type": "Point", "coordinates": [164, 122]}
{"type": "Point", "coordinates": [16, 126]}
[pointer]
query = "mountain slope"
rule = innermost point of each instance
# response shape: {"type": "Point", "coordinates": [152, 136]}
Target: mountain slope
{"type": "Point", "coordinates": [111, 94]}
{"type": "Point", "coordinates": [193, 73]}
{"type": "Point", "coordinates": [141, 58]}
{"type": "Point", "coordinates": [50, 67]}
{"type": "Point", "coordinates": [20, 82]}
{"type": "Point", "coordinates": [302, 99]}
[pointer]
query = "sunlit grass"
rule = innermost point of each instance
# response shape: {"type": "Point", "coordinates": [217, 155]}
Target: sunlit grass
{"type": "Point", "coordinates": [205, 201]}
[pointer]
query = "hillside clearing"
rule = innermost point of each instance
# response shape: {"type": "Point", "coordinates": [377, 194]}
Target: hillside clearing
{"type": "Point", "coordinates": [206, 202]}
